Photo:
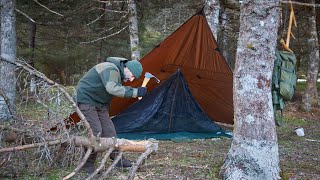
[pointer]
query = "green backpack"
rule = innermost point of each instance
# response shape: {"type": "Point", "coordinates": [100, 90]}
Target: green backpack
{"type": "Point", "coordinates": [284, 80]}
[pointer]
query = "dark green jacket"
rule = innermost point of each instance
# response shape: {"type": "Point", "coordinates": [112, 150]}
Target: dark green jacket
{"type": "Point", "coordinates": [102, 82]}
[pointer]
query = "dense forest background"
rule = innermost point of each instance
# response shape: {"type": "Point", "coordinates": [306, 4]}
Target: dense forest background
{"type": "Point", "coordinates": [63, 39]}
{"type": "Point", "coordinates": [68, 37]}
{"type": "Point", "coordinates": [86, 32]}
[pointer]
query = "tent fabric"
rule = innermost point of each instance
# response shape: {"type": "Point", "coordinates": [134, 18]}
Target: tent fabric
{"type": "Point", "coordinates": [192, 49]}
{"type": "Point", "coordinates": [167, 112]}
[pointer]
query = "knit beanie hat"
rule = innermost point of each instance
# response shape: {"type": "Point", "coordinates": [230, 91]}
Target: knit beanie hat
{"type": "Point", "coordinates": [135, 67]}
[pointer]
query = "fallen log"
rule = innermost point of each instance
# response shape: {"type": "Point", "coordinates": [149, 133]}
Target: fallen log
{"type": "Point", "coordinates": [97, 144]}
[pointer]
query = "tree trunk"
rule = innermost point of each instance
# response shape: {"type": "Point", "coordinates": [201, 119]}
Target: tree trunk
{"type": "Point", "coordinates": [212, 10]}
{"type": "Point", "coordinates": [102, 24]}
{"type": "Point", "coordinates": [254, 149]}
{"type": "Point", "coordinates": [310, 96]}
{"type": "Point", "coordinates": [133, 26]}
{"type": "Point", "coordinates": [62, 76]}
{"type": "Point", "coordinates": [32, 42]}
{"type": "Point", "coordinates": [8, 51]}
{"type": "Point", "coordinates": [229, 30]}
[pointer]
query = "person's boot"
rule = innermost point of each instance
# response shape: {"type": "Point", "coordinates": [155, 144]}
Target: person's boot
{"type": "Point", "coordinates": [123, 162]}
{"type": "Point", "coordinates": [89, 166]}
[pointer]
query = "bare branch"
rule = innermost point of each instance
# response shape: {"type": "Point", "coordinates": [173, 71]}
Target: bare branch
{"type": "Point", "coordinates": [114, 11]}
{"type": "Point", "coordinates": [97, 18]}
{"type": "Point", "coordinates": [25, 15]}
{"type": "Point", "coordinates": [87, 42]}
{"type": "Point", "coordinates": [5, 160]}
{"type": "Point", "coordinates": [105, 174]}
{"type": "Point", "coordinates": [84, 160]}
{"type": "Point", "coordinates": [29, 146]}
{"type": "Point", "coordinates": [139, 162]}
{"type": "Point", "coordinates": [107, 2]}
{"type": "Point", "coordinates": [102, 163]}
{"type": "Point", "coordinates": [47, 8]}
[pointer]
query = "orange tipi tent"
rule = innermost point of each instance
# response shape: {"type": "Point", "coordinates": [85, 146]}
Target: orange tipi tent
{"type": "Point", "coordinates": [192, 49]}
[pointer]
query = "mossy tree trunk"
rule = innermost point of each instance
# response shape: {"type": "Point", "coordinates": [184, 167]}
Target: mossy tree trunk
{"type": "Point", "coordinates": [254, 149]}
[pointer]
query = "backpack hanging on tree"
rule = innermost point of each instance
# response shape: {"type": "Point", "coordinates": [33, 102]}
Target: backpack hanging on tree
{"type": "Point", "coordinates": [284, 80]}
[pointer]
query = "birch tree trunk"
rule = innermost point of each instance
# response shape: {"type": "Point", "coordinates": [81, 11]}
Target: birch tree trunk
{"type": "Point", "coordinates": [254, 149]}
{"type": "Point", "coordinates": [8, 51]}
{"type": "Point", "coordinates": [133, 26]}
{"type": "Point", "coordinates": [212, 10]}
{"type": "Point", "coordinates": [311, 95]}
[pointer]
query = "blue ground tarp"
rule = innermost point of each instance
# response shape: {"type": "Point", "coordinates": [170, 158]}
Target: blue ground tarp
{"type": "Point", "coordinates": [167, 112]}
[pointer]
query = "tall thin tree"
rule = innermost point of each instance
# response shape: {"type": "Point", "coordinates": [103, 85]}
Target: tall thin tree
{"type": "Point", "coordinates": [311, 95]}
{"type": "Point", "coordinates": [133, 26]}
{"type": "Point", "coordinates": [8, 52]}
{"type": "Point", "coordinates": [254, 149]}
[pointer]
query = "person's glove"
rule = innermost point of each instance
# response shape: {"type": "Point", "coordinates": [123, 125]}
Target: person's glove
{"type": "Point", "coordinates": [142, 91]}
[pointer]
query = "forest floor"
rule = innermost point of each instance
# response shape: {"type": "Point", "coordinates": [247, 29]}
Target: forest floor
{"type": "Point", "coordinates": [201, 159]}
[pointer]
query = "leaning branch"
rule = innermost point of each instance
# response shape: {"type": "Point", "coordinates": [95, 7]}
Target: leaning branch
{"type": "Point", "coordinates": [47, 8]}
{"type": "Point", "coordinates": [25, 15]}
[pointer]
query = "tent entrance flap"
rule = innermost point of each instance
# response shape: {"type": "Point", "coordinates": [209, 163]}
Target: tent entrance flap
{"type": "Point", "coordinates": [169, 111]}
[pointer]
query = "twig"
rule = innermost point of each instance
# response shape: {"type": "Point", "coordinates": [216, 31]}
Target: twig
{"type": "Point", "coordinates": [25, 15]}
{"type": "Point", "coordinates": [102, 163]}
{"type": "Point", "coordinates": [29, 146]}
{"type": "Point", "coordinates": [47, 8]}
{"type": "Point", "coordinates": [114, 11]}
{"type": "Point", "coordinates": [87, 42]}
{"type": "Point", "coordinates": [143, 156]}
{"type": "Point", "coordinates": [97, 18]}
{"type": "Point", "coordinates": [84, 160]}
{"type": "Point", "coordinates": [312, 140]}
{"type": "Point", "coordinates": [110, 1]}
{"type": "Point", "coordinates": [5, 160]}
{"type": "Point", "coordinates": [105, 174]}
